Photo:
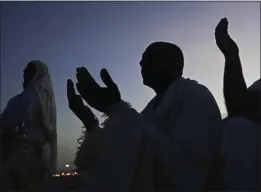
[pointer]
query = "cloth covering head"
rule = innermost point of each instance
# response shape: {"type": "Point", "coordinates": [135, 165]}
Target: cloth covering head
{"type": "Point", "coordinates": [42, 84]}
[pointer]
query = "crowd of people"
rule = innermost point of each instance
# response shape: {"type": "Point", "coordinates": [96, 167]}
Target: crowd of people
{"type": "Point", "coordinates": [179, 142]}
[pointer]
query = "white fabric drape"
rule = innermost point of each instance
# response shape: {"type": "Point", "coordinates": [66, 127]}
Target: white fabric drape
{"type": "Point", "coordinates": [166, 149]}
{"type": "Point", "coordinates": [43, 86]}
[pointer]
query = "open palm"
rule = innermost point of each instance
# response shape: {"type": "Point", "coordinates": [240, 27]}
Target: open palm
{"type": "Point", "coordinates": [97, 97]}
{"type": "Point", "coordinates": [77, 106]}
{"type": "Point", "coordinates": [224, 42]}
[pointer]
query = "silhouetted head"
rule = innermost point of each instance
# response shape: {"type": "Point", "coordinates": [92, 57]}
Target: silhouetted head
{"type": "Point", "coordinates": [35, 71]}
{"type": "Point", "coordinates": [161, 63]}
{"type": "Point", "coordinates": [29, 73]}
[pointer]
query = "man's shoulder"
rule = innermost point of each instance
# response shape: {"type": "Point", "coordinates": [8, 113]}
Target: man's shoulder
{"type": "Point", "coordinates": [13, 99]}
{"type": "Point", "coordinates": [197, 90]}
{"type": "Point", "coordinates": [199, 95]}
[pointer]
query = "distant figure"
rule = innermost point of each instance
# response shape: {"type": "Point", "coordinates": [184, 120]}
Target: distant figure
{"type": "Point", "coordinates": [28, 131]}
{"type": "Point", "coordinates": [241, 131]}
{"type": "Point", "coordinates": [170, 146]}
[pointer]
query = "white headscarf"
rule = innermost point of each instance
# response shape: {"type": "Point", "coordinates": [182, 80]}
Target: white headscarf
{"type": "Point", "coordinates": [43, 86]}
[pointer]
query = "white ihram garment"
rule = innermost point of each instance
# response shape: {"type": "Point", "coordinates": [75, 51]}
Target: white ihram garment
{"type": "Point", "coordinates": [35, 107]}
{"type": "Point", "coordinates": [170, 148]}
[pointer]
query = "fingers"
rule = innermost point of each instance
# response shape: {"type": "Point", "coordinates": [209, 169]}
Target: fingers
{"type": "Point", "coordinates": [74, 100]}
{"type": "Point", "coordinates": [84, 77]}
{"type": "Point", "coordinates": [70, 90]}
{"type": "Point", "coordinates": [222, 26]}
{"type": "Point", "coordinates": [80, 88]}
{"type": "Point", "coordinates": [223, 22]}
{"type": "Point", "coordinates": [106, 78]}
{"type": "Point", "coordinates": [86, 93]}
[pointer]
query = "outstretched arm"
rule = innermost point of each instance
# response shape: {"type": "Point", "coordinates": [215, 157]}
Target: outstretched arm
{"type": "Point", "coordinates": [234, 85]}
{"type": "Point", "coordinates": [83, 112]}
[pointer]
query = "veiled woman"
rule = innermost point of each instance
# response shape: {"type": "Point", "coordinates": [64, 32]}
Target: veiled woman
{"type": "Point", "coordinates": [28, 131]}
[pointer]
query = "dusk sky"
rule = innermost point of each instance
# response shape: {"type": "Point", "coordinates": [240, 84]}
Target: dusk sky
{"type": "Point", "coordinates": [113, 35]}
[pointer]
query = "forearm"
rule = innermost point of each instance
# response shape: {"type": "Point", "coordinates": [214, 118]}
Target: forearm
{"type": "Point", "coordinates": [88, 119]}
{"type": "Point", "coordinates": [234, 85]}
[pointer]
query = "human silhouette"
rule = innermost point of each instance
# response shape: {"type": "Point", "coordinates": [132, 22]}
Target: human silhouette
{"type": "Point", "coordinates": [33, 113]}
{"type": "Point", "coordinates": [241, 131]}
{"type": "Point", "coordinates": [170, 145]}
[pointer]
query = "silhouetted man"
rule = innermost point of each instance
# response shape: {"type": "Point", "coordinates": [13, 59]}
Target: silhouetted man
{"type": "Point", "coordinates": [170, 145]}
{"type": "Point", "coordinates": [30, 158]}
{"type": "Point", "coordinates": [241, 131]}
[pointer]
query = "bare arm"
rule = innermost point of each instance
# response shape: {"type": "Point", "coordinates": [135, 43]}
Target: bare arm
{"type": "Point", "coordinates": [234, 85]}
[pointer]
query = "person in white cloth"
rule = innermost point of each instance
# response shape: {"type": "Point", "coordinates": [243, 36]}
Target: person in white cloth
{"type": "Point", "coordinates": [241, 132]}
{"type": "Point", "coordinates": [35, 110]}
{"type": "Point", "coordinates": [170, 146]}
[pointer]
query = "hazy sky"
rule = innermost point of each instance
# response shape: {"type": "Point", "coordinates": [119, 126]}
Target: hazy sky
{"type": "Point", "coordinates": [114, 35]}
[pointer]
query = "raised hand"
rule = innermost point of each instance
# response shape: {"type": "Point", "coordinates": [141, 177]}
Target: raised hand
{"type": "Point", "coordinates": [97, 97]}
{"type": "Point", "coordinates": [224, 42]}
{"type": "Point", "coordinates": [77, 106]}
